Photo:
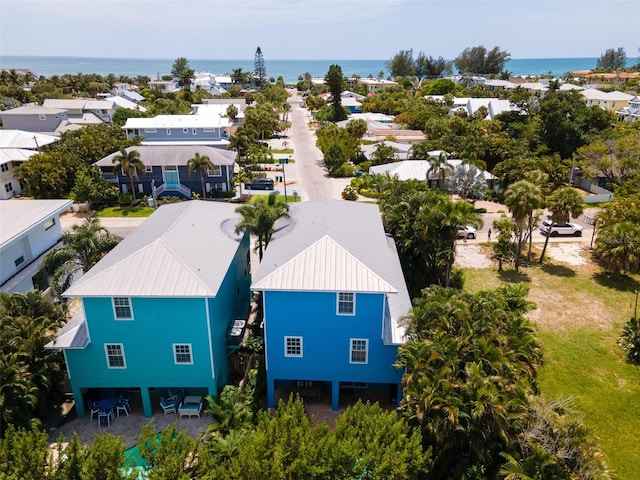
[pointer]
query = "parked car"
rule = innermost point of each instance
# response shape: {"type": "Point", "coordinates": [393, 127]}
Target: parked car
{"type": "Point", "coordinates": [260, 184]}
{"type": "Point", "coordinates": [554, 230]}
{"type": "Point", "coordinates": [467, 232]}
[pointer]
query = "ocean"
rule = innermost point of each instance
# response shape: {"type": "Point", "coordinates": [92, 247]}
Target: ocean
{"type": "Point", "coordinates": [290, 70]}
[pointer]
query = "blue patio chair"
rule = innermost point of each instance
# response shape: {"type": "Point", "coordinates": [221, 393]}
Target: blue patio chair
{"type": "Point", "coordinates": [168, 404]}
{"type": "Point", "coordinates": [93, 407]}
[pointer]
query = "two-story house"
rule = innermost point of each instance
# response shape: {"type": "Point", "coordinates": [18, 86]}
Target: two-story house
{"type": "Point", "coordinates": [167, 171]}
{"type": "Point", "coordinates": [16, 147]}
{"type": "Point", "coordinates": [630, 113]}
{"type": "Point", "coordinates": [156, 311]}
{"type": "Point", "coordinates": [203, 129]}
{"type": "Point", "coordinates": [84, 111]}
{"type": "Point", "coordinates": [333, 294]}
{"type": "Point", "coordinates": [28, 229]}
{"type": "Point", "coordinates": [36, 118]}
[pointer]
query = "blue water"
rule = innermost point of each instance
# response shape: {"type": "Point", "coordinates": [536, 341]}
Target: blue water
{"type": "Point", "coordinates": [290, 70]}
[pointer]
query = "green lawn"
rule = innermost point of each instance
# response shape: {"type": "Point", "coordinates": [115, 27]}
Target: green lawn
{"type": "Point", "coordinates": [125, 212]}
{"type": "Point", "coordinates": [580, 316]}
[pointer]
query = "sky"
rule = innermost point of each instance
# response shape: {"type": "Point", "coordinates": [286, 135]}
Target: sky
{"type": "Point", "coordinates": [316, 29]}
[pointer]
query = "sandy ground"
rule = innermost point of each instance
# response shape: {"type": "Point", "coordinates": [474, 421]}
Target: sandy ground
{"type": "Point", "coordinates": [474, 255]}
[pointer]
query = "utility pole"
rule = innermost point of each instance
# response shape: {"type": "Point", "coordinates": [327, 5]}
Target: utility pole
{"type": "Point", "coordinates": [283, 162]}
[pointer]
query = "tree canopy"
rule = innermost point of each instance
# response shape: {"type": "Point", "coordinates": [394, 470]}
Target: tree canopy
{"type": "Point", "coordinates": [479, 61]}
{"type": "Point", "coordinates": [613, 59]}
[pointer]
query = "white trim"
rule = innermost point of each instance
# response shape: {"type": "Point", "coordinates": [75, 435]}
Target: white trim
{"type": "Point", "coordinates": [353, 301]}
{"type": "Point", "coordinates": [175, 353]}
{"type": "Point", "coordinates": [129, 304]}
{"type": "Point", "coordinates": [106, 353]}
{"type": "Point", "coordinates": [211, 171]}
{"type": "Point", "coordinates": [366, 350]}
{"type": "Point", "coordinates": [301, 345]}
{"type": "Point", "coordinates": [206, 308]}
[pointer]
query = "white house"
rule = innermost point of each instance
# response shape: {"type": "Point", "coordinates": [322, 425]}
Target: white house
{"type": "Point", "coordinates": [28, 229]}
{"type": "Point", "coordinates": [630, 113]}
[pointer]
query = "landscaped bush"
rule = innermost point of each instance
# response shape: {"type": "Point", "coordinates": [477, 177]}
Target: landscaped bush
{"type": "Point", "coordinates": [350, 193]}
{"type": "Point", "coordinates": [125, 199]}
{"type": "Point", "coordinates": [629, 341]}
{"type": "Point", "coordinates": [344, 170]}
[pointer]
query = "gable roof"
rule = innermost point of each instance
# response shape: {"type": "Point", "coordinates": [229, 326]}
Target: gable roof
{"type": "Point", "coordinates": [160, 155]}
{"type": "Point", "coordinates": [332, 246]}
{"type": "Point", "coordinates": [22, 139]}
{"type": "Point", "coordinates": [181, 250]}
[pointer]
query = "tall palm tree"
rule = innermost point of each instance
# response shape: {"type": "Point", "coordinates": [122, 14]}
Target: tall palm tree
{"type": "Point", "coordinates": [199, 163]}
{"type": "Point", "coordinates": [467, 180]}
{"type": "Point", "coordinates": [130, 163]}
{"type": "Point", "coordinates": [81, 249]}
{"type": "Point", "coordinates": [440, 166]}
{"type": "Point", "coordinates": [563, 204]}
{"type": "Point", "coordinates": [259, 217]}
{"type": "Point", "coordinates": [522, 198]}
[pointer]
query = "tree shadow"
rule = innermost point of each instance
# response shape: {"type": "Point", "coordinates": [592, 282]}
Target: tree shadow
{"type": "Point", "coordinates": [558, 270]}
{"type": "Point", "coordinates": [623, 283]}
{"type": "Point", "coordinates": [511, 276]}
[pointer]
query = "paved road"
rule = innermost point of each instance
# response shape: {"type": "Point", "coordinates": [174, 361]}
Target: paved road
{"type": "Point", "coordinates": [309, 171]}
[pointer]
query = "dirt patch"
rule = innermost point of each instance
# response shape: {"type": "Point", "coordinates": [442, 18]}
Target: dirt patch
{"type": "Point", "coordinates": [471, 256]}
{"type": "Point", "coordinates": [569, 253]}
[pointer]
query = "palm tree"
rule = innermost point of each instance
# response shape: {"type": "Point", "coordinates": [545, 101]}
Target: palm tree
{"type": "Point", "coordinates": [200, 163]}
{"type": "Point", "coordinates": [467, 180]}
{"type": "Point", "coordinates": [617, 247]}
{"type": "Point", "coordinates": [440, 166]}
{"type": "Point", "coordinates": [238, 76]}
{"type": "Point", "coordinates": [563, 204]}
{"type": "Point", "coordinates": [81, 249]}
{"type": "Point", "coordinates": [130, 163]}
{"type": "Point", "coordinates": [522, 198]}
{"type": "Point", "coordinates": [258, 218]}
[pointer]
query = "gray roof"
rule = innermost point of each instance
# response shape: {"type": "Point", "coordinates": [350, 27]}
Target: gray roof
{"type": "Point", "coordinates": [17, 216]}
{"type": "Point", "coordinates": [181, 250]}
{"type": "Point", "coordinates": [161, 155]}
{"type": "Point", "coordinates": [73, 334]}
{"type": "Point", "coordinates": [32, 109]}
{"type": "Point", "coordinates": [22, 139]}
{"type": "Point", "coordinates": [335, 245]}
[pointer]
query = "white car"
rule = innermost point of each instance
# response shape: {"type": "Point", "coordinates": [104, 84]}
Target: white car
{"type": "Point", "coordinates": [467, 232]}
{"type": "Point", "coordinates": [572, 229]}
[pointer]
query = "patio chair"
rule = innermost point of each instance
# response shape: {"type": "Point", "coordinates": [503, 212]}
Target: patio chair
{"type": "Point", "coordinates": [107, 414]}
{"type": "Point", "coordinates": [123, 404]}
{"type": "Point", "coordinates": [93, 407]}
{"type": "Point", "coordinates": [168, 404]}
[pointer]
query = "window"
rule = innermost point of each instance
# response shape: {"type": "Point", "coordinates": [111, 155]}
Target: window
{"type": "Point", "coordinates": [115, 355]}
{"type": "Point", "coordinates": [359, 350]}
{"type": "Point", "coordinates": [346, 303]}
{"type": "Point", "coordinates": [185, 130]}
{"type": "Point", "coordinates": [42, 117]}
{"type": "Point", "coordinates": [182, 354]}
{"type": "Point", "coordinates": [293, 346]}
{"type": "Point", "coordinates": [149, 130]}
{"type": "Point", "coordinates": [193, 131]}
{"type": "Point", "coordinates": [122, 308]}
{"type": "Point", "coordinates": [209, 130]}
{"type": "Point", "coordinates": [8, 187]}
{"type": "Point", "coordinates": [19, 260]}
{"type": "Point", "coordinates": [148, 169]}
{"type": "Point", "coordinates": [168, 132]}
{"type": "Point", "coordinates": [216, 171]}
{"type": "Point", "coordinates": [49, 223]}
{"type": "Point", "coordinates": [4, 167]}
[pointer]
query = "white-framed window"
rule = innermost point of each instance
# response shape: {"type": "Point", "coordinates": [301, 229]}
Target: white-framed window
{"type": "Point", "coordinates": [141, 188]}
{"type": "Point", "coordinates": [4, 167]}
{"type": "Point", "coordinates": [346, 303]}
{"type": "Point", "coordinates": [122, 308]}
{"type": "Point", "coordinates": [182, 354]}
{"type": "Point", "coordinates": [148, 169]}
{"type": "Point", "coordinates": [193, 131]}
{"type": "Point", "coordinates": [359, 352]}
{"type": "Point", "coordinates": [149, 130]}
{"type": "Point", "coordinates": [42, 116]}
{"type": "Point", "coordinates": [49, 223]}
{"type": "Point", "coordinates": [293, 347]}
{"type": "Point", "coordinates": [185, 130]}
{"type": "Point", "coordinates": [216, 171]}
{"type": "Point", "coordinates": [168, 132]}
{"type": "Point", "coordinates": [115, 355]}
{"type": "Point", "coordinates": [209, 130]}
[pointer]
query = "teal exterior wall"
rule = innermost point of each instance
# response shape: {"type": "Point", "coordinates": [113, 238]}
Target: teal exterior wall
{"type": "Point", "coordinates": [326, 340]}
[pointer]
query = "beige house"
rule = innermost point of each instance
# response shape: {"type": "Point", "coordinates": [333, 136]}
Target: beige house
{"type": "Point", "coordinates": [612, 101]}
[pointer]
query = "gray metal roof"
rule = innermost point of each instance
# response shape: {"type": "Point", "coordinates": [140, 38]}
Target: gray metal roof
{"type": "Point", "coordinates": [73, 334]}
{"type": "Point", "coordinates": [181, 250]}
{"type": "Point", "coordinates": [22, 139]}
{"type": "Point", "coordinates": [161, 155]}
{"type": "Point", "coordinates": [335, 245]}
{"type": "Point", "coordinates": [17, 216]}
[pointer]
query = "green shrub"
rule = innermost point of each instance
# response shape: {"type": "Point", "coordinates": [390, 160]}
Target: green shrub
{"type": "Point", "coordinates": [344, 170]}
{"type": "Point", "coordinates": [350, 193]}
{"type": "Point", "coordinates": [125, 199]}
{"type": "Point", "coordinates": [629, 341]}
{"type": "Point", "coordinates": [369, 192]}
{"type": "Point", "coordinates": [481, 210]}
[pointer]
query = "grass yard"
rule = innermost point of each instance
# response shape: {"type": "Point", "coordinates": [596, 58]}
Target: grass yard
{"type": "Point", "coordinates": [125, 212]}
{"type": "Point", "coordinates": [580, 316]}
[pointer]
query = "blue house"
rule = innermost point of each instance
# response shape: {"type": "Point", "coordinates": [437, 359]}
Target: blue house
{"type": "Point", "coordinates": [166, 169]}
{"type": "Point", "coordinates": [333, 294]}
{"type": "Point", "coordinates": [198, 129]}
{"type": "Point", "coordinates": [156, 310]}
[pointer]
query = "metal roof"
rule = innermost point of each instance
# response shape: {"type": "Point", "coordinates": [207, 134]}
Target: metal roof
{"type": "Point", "coordinates": [22, 139]}
{"type": "Point", "coordinates": [160, 155]}
{"type": "Point", "coordinates": [335, 245]}
{"type": "Point", "coordinates": [178, 121]}
{"type": "Point", "coordinates": [17, 216]}
{"type": "Point", "coordinates": [73, 334]}
{"type": "Point", "coordinates": [181, 250]}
